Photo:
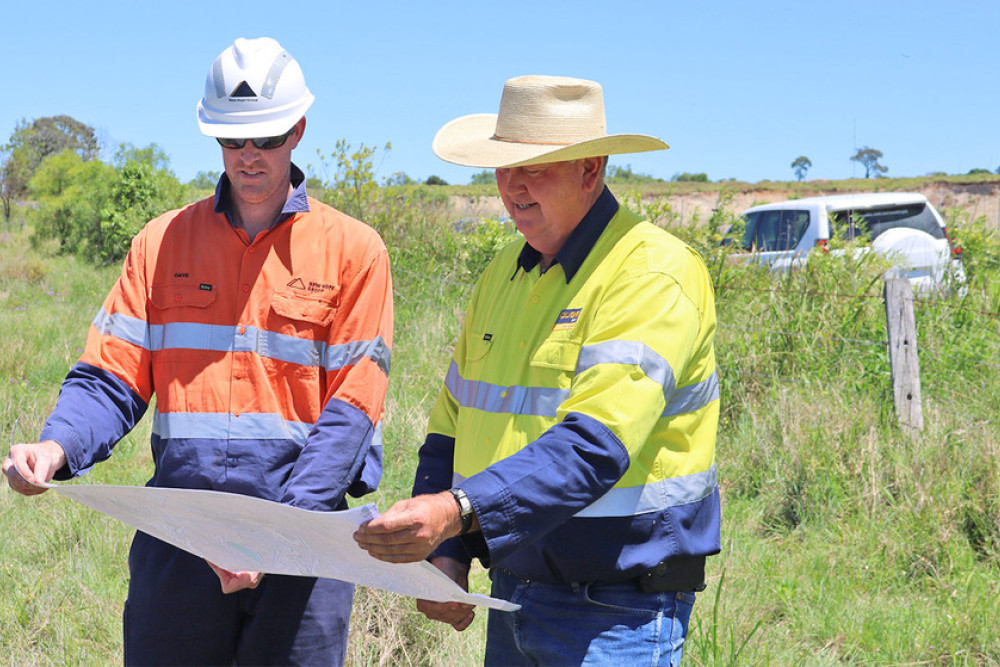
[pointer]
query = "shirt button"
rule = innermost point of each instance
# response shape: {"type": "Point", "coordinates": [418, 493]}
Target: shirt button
{"type": "Point", "coordinates": [252, 249]}
{"type": "Point", "coordinates": [177, 298]}
{"type": "Point", "coordinates": [534, 299]}
{"type": "Point", "coordinates": [236, 414]}
{"type": "Point", "coordinates": [521, 345]}
{"type": "Point", "coordinates": [242, 330]}
{"type": "Point", "coordinates": [246, 288]}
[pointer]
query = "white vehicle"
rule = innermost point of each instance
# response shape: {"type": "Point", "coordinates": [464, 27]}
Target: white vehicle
{"type": "Point", "coordinates": [903, 226]}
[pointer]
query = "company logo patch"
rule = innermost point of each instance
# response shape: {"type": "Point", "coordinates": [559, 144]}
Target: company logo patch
{"type": "Point", "coordinates": [567, 318]}
{"type": "Point", "coordinates": [487, 337]}
{"type": "Point", "coordinates": [205, 287]}
{"type": "Point", "coordinates": [243, 90]}
{"type": "Point", "coordinates": [297, 283]}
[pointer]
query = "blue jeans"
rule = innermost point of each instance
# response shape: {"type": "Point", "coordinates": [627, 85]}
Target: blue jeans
{"type": "Point", "coordinates": [585, 624]}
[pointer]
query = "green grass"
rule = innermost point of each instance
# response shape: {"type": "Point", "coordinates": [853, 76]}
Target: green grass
{"type": "Point", "coordinates": [845, 539]}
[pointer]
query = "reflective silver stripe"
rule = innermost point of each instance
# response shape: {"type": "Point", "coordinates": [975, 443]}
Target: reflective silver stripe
{"type": "Point", "coordinates": [274, 74]}
{"type": "Point", "coordinates": [635, 353]}
{"type": "Point", "coordinates": [218, 78]}
{"type": "Point", "coordinates": [654, 497]}
{"type": "Point", "coordinates": [679, 400]}
{"type": "Point", "coordinates": [377, 436]}
{"type": "Point", "coordinates": [225, 426]}
{"type": "Point", "coordinates": [226, 338]}
{"type": "Point", "coordinates": [545, 401]}
{"type": "Point", "coordinates": [693, 397]}
{"type": "Point", "coordinates": [129, 329]}
{"type": "Point", "coordinates": [347, 354]}
{"type": "Point", "coordinates": [536, 401]}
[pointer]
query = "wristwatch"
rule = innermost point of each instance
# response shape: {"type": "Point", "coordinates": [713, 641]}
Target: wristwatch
{"type": "Point", "coordinates": [464, 509]}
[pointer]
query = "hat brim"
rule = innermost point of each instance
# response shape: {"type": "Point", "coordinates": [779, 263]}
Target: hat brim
{"type": "Point", "coordinates": [250, 124]}
{"type": "Point", "coordinates": [469, 141]}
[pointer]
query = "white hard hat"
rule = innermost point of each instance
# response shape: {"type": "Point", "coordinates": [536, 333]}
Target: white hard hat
{"type": "Point", "coordinates": [254, 89]}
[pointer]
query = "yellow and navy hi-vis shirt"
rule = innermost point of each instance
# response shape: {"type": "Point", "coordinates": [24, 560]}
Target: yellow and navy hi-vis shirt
{"type": "Point", "coordinates": [268, 358]}
{"type": "Point", "coordinates": [582, 414]}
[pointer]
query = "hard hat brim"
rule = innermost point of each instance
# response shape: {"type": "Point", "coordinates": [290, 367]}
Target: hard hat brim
{"type": "Point", "coordinates": [252, 123]}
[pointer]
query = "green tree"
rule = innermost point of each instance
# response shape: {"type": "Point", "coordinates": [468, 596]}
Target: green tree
{"type": "Point", "coordinates": [625, 175]}
{"type": "Point", "coordinates": [399, 178]}
{"type": "Point", "coordinates": [16, 169]}
{"type": "Point", "coordinates": [435, 180]}
{"type": "Point", "coordinates": [31, 143]}
{"type": "Point", "coordinates": [69, 193]}
{"type": "Point", "coordinates": [143, 188]}
{"type": "Point", "coordinates": [6, 194]}
{"type": "Point", "coordinates": [484, 177]}
{"type": "Point", "coordinates": [52, 135]}
{"type": "Point", "coordinates": [801, 165]}
{"type": "Point", "coordinates": [869, 157]}
{"type": "Point", "coordinates": [694, 178]}
{"type": "Point", "coordinates": [93, 209]}
{"type": "Point", "coordinates": [206, 180]}
{"type": "Point", "coordinates": [353, 188]}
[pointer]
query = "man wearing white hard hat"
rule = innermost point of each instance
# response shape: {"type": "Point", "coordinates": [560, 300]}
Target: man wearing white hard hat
{"type": "Point", "coordinates": [261, 320]}
{"type": "Point", "coordinates": [572, 446]}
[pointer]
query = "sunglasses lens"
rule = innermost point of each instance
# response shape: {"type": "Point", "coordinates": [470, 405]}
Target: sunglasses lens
{"type": "Point", "coordinates": [263, 143]}
{"type": "Point", "coordinates": [267, 143]}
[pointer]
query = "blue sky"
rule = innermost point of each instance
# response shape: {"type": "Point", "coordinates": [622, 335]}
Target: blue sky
{"type": "Point", "coordinates": [738, 89]}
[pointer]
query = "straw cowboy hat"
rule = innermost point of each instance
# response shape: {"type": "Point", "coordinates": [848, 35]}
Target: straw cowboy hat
{"type": "Point", "coordinates": [541, 119]}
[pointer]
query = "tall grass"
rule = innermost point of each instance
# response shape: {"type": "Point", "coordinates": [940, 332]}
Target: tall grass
{"type": "Point", "coordinates": [846, 539]}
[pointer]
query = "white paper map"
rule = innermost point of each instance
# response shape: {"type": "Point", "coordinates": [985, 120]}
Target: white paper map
{"type": "Point", "coordinates": [239, 532]}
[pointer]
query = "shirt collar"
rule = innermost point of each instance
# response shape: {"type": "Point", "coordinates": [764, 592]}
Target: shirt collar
{"type": "Point", "coordinates": [581, 240]}
{"type": "Point", "coordinates": [297, 202]}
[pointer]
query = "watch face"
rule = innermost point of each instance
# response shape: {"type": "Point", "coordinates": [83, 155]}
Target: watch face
{"type": "Point", "coordinates": [464, 506]}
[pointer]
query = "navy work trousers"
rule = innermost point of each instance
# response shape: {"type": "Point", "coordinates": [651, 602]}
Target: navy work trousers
{"type": "Point", "coordinates": [176, 614]}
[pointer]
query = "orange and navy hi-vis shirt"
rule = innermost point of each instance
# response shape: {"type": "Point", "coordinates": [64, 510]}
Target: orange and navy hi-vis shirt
{"type": "Point", "coordinates": [269, 359]}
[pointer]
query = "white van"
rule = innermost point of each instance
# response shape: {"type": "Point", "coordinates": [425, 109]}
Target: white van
{"type": "Point", "coordinates": [901, 225]}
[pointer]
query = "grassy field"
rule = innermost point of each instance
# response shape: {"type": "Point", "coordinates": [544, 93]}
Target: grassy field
{"type": "Point", "coordinates": [846, 540]}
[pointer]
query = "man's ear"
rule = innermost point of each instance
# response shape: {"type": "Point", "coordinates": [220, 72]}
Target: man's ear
{"type": "Point", "coordinates": [300, 129]}
{"type": "Point", "coordinates": [593, 169]}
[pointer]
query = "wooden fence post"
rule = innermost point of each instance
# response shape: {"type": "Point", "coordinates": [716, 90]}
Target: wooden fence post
{"type": "Point", "coordinates": [903, 353]}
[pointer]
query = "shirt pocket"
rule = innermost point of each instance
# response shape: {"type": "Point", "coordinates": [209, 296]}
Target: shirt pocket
{"type": "Point", "coordinates": [181, 295]}
{"type": "Point", "coordinates": [179, 328]}
{"type": "Point", "coordinates": [298, 315]}
{"type": "Point", "coordinates": [554, 363]}
{"type": "Point", "coordinates": [559, 354]}
{"type": "Point", "coordinates": [478, 347]}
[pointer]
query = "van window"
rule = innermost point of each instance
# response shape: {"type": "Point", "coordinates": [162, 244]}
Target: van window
{"type": "Point", "coordinates": [871, 222]}
{"type": "Point", "coordinates": [775, 230]}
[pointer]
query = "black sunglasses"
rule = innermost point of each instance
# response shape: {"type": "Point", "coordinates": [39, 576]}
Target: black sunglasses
{"type": "Point", "coordinates": [263, 143]}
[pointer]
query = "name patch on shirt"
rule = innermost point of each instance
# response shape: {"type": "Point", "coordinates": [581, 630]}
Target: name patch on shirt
{"type": "Point", "coordinates": [567, 318]}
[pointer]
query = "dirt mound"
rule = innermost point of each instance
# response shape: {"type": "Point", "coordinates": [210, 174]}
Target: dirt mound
{"type": "Point", "coordinates": [974, 199]}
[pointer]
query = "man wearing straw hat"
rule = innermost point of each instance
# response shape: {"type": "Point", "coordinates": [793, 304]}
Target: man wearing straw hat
{"type": "Point", "coordinates": [572, 446]}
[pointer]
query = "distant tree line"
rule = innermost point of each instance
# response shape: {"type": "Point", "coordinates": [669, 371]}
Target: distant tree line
{"type": "Point", "coordinates": [84, 205]}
